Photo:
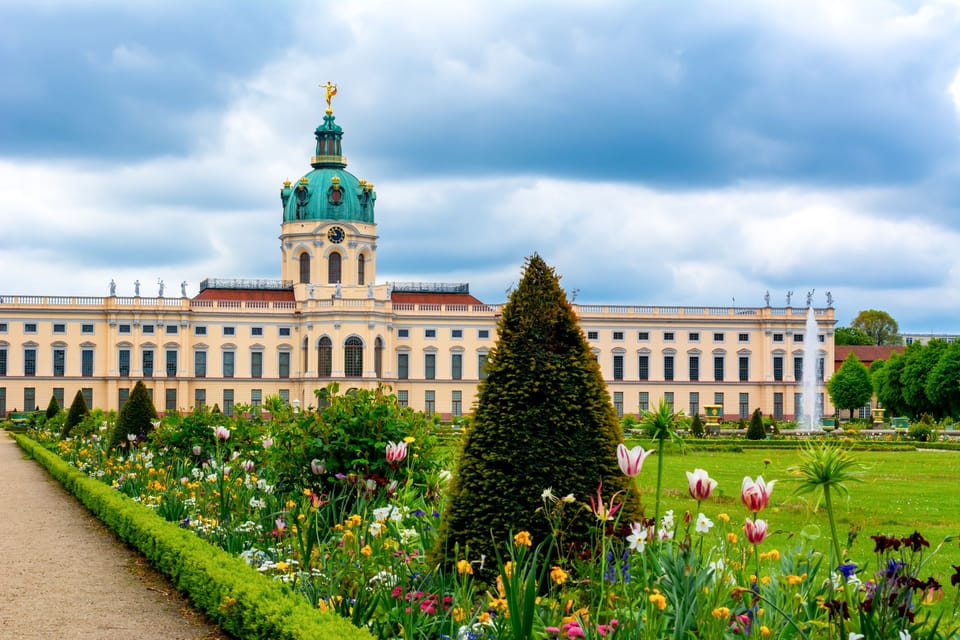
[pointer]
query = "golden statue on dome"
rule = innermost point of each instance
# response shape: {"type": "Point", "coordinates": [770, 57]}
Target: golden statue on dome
{"type": "Point", "coordinates": [331, 91]}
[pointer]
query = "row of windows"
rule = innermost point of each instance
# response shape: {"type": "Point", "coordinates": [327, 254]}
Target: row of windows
{"type": "Point", "coordinates": [148, 329]}
{"type": "Point", "coordinates": [695, 336]}
{"type": "Point", "coordinates": [58, 327]}
{"type": "Point", "coordinates": [719, 365]}
{"type": "Point", "coordinates": [30, 398]}
{"type": "Point", "coordinates": [482, 334]}
{"type": "Point", "coordinates": [430, 366]}
{"type": "Point", "coordinates": [334, 268]}
{"type": "Point", "coordinates": [693, 403]}
{"type": "Point", "coordinates": [59, 362]}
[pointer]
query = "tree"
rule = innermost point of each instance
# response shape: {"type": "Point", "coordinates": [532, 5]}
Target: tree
{"type": "Point", "coordinates": [78, 411]}
{"type": "Point", "coordinates": [849, 335]}
{"type": "Point", "coordinates": [756, 431]}
{"type": "Point", "coordinates": [53, 407]}
{"type": "Point", "coordinates": [850, 387]}
{"type": "Point", "coordinates": [136, 418]}
{"type": "Point", "coordinates": [943, 387]}
{"type": "Point", "coordinates": [885, 376]}
{"type": "Point", "coordinates": [543, 420]}
{"type": "Point", "coordinates": [879, 325]}
{"type": "Point", "coordinates": [919, 361]}
{"type": "Point", "coordinates": [696, 426]}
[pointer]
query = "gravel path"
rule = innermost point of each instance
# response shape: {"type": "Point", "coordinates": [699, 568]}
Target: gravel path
{"type": "Point", "coordinates": [63, 574]}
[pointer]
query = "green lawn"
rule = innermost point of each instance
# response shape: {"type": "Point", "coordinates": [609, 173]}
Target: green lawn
{"type": "Point", "coordinates": [902, 492]}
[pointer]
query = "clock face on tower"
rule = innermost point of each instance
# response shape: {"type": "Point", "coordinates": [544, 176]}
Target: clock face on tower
{"type": "Point", "coordinates": [336, 235]}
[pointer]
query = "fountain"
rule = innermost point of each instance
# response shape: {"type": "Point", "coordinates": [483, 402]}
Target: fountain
{"type": "Point", "coordinates": [811, 411]}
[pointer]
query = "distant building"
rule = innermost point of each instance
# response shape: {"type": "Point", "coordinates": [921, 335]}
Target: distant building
{"type": "Point", "coordinates": [327, 319]}
{"type": "Point", "coordinates": [924, 338]}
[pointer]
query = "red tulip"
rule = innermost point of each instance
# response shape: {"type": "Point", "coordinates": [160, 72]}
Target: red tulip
{"type": "Point", "coordinates": [700, 484]}
{"type": "Point", "coordinates": [396, 451]}
{"type": "Point", "coordinates": [631, 460]}
{"type": "Point", "coordinates": [755, 495]}
{"type": "Point", "coordinates": [755, 530]}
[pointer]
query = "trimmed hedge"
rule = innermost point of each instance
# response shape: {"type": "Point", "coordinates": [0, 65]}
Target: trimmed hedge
{"type": "Point", "coordinates": [243, 602]}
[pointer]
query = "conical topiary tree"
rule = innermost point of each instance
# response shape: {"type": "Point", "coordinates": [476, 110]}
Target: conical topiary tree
{"type": "Point", "coordinates": [136, 416]}
{"type": "Point", "coordinates": [756, 430]}
{"type": "Point", "coordinates": [53, 407]}
{"type": "Point", "coordinates": [543, 420]}
{"type": "Point", "coordinates": [78, 411]}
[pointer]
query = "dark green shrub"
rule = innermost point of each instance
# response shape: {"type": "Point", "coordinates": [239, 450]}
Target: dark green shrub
{"type": "Point", "coordinates": [543, 420]}
{"type": "Point", "coordinates": [78, 411]}
{"type": "Point", "coordinates": [756, 430]}
{"type": "Point", "coordinates": [920, 431]}
{"type": "Point", "coordinates": [696, 426]}
{"type": "Point", "coordinates": [136, 418]}
{"type": "Point", "coordinates": [53, 407]}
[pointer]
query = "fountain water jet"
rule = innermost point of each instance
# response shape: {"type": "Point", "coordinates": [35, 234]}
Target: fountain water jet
{"type": "Point", "coordinates": [810, 420]}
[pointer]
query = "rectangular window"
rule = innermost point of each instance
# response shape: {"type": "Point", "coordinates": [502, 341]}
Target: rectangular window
{"type": "Point", "coordinates": [693, 336]}
{"type": "Point", "coordinates": [228, 402]}
{"type": "Point", "coordinates": [285, 395]}
{"type": "Point", "coordinates": [429, 333]}
{"type": "Point", "coordinates": [123, 328]}
{"type": "Point", "coordinates": [86, 328]}
{"type": "Point", "coordinates": [256, 364]}
{"type": "Point", "coordinates": [593, 335]}
{"type": "Point", "coordinates": [743, 337]}
{"type": "Point", "coordinates": [29, 399]}
{"type": "Point", "coordinates": [59, 327]}
{"type": "Point", "coordinates": [798, 405]}
{"type": "Point", "coordinates": [718, 368]}
{"type": "Point", "coordinates": [256, 331]}
{"type": "Point", "coordinates": [430, 366]}
{"type": "Point", "coordinates": [403, 398]}
{"type": "Point", "coordinates": [403, 333]}
{"type": "Point", "coordinates": [87, 393]}
{"type": "Point", "coordinates": [229, 331]}
{"type": "Point", "coordinates": [283, 364]}
{"type": "Point", "coordinates": [778, 368]}
{"type": "Point", "coordinates": [256, 397]}
{"type": "Point", "coordinates": [122, 396]}
{"type": "Point", "coordinates": [482, 366]}
{"type": "Point", "coordinates": [3, 402]}
{"type": "Point", "coordinates": [3, 327]}
{"type": "Point", "coordinates": [456, 366]}
{"type": "Point", "coordinates": [744, 368]}
{"type": "Point", "coordinates": [483, 334]}
{"type": "Point", "coordinates": [147, 329]}
{"type": "Point", "coordinates": [171, 363]}
{"type": "Point", "coordinates": [170, 400]}
{"type": "Point", "coordinates": [429, 402]}
{"type": "Point", "coordinates": [644, 401]}
{"type": "Point", "coordinates": [744, 405]}
{"type": "Point", "coordinates": [643, 370]}
{"type": "Point", "coordinates": [403, 366]}
{"type": "Point", "coordinates": [820, 364]}
{"type": "Point", "coordinates": [618, 403]}
{"type": "Point", "coordinates": [456, 333]}
{"type": "Point", "coordinates": [668, 336]}
{"type": "Point", "coordinates": [643, 336]}
{"type": "Point", "coordinates": [284, 332]}
{"type": "Point", "coordinates": [668, 398]}
{"type": "Point", "coordinates": [778, 405]}
{"type": "Point", "coordinates": [456, 403]}
{"type": "Point", "coordinates": [228, 362]}
{"type": "Point", "coordinates": [694, 368]}
{"type": "Point", "coordinates": [59, 362]}
{"type": "Point", "coordinates": [694, 403]}
{"type": "Point", "coordinates": [798, 337]}
{"type": "Point", "coordinates": [823, 338]}
{"type": "Point", "coordinates": [668, 367]}
{"type": "Point", "coordinates": [30, 327]}
{"type": "Point", "coordinates": [147, 362]}
{"type": "Point", "coordinates": [718, 400]}
{"type": "Point", "coordinates": [199, 398]}
{"type": "Point", "coordinates": [200, 330]}
{"type": "Point", "coordinates": [200, 364]}
{"type": "Point", "coordinates": [3, 362]}
{"type": "Point", "coordinates": [172, 329]}
{"type": "Point", "coordinates": [798, 368]}
{"type": "Point", "coordinates": [718, 337]}
{"type": "Point", "coordinates": [778, 337]}
{"type": "Point", "coordinates": [29, 362]}
{"type": "Point", "coordinates": [86, 363]}
{"type": "Point", "coordinates": [123, 362]}
{"type": "Point", "coordinates": [618, 367]}
{"type": "Point", "coordinates": [58, 396]}
{"type": "Point", "coordinates": [618, 335]}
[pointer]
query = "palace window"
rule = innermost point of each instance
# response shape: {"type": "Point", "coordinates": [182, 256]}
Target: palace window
{"type": "Point", "coordinates": [353, 357]}
{"type": "Point", "coordinates": [325, 357]}
{"type": "Point", "coordinates": [304, 267]}
{"type": "Point", "coordinates": [333, 268]}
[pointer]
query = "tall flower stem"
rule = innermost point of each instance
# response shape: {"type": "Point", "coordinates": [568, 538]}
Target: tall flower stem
{"type": "Point", "coordinates": [656, 509]}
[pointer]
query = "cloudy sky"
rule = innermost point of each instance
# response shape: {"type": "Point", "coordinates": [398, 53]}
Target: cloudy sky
{"type": "Point", "coordinates": [654, 153]}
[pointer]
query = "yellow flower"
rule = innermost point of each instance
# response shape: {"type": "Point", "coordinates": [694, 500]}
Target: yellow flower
{"type": "Point", "coordinates": [366, 550]}
{"type": "Point", "coordinates": [765, 580]}
{"type": "Point", "coordinates": [508, 568]}
{"type": "Point", "coordinates": [409, 439]}
{"type": "Point", "coordinates": [723, 517]}
{"type": "Point", "coordinates": [484, 617]}
{"type": "Point", "coordinates": [765, 631]}
{"type": "Point", "coordinates": [355, 520]}
{"type": "Point", "coordinates": [458, 614]}
{"type": "Point", "coordinates": [282, 566]}
{"type": "Point", "coordinates": [291, 504]}
{"type": "Point", "coordinates": [732, 538]}
{"type": "Point", "coordinates": [464, 567]}
{"type": "Point", "coordinates": [773, 554]}
{"type": "Point", "coordinates": [522, 539]}
{"type": "Point", "coordinates": [558, 575]}
{"type": "Point", "coordinates": [794, 580]}
{"type": "Point", "coordinates": [721, 612]}
{"type": "Point", "coordinates": [659, 600]}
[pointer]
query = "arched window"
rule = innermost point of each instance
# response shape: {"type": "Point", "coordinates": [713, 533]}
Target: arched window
{"type": "Point", "coordinates": [333, 268]}
{"type": "Point", "coordinates": [304, 267]}
{"type": "Point", "coordinates": [325, 358]}
{"type": "Point", "coordinates": [361, 262]}
{"type": "Point", "coordinates": [353, 357]}
{"type": "Point", "coordinates": [378, 357]}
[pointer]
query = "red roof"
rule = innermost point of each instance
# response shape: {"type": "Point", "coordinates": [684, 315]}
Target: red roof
{"type": "Point", "coordinates": [866, 353]}
{"type": "Point", "coordinates": [433, 298]}
{"type": "Point", "coordinates": [268, 295]}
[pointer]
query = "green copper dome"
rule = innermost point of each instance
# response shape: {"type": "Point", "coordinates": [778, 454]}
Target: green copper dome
{"type": "Point", "coordinates": [329, 192]}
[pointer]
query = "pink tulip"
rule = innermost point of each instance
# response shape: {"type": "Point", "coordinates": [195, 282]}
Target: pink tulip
{"type": "Point", "coordinates": [700, 484]}
{"type": "Point", "coordinates": [755, 495]}
{"type": "Point", "coordinates": [396, 451]}
{"type": "Point", "coordinates": [318, 467]}
{"type": "Point", "coordinates": [755, 530]}
{"type": "Point", "coordinates": [631, 460]}
{"type": "Point", "coordinates": [221, 433]}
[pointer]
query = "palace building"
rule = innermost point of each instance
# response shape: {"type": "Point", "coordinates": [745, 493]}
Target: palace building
{"type": "Point", "coordinates": [327, 319]}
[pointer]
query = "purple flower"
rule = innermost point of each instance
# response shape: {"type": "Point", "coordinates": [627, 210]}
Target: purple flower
{"type": "Point", "coordinates": [847, 570]}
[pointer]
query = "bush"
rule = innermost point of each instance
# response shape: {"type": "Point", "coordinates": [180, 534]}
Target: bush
{"type": "Point", "coordinates": [696, 426]}
{"type": "Point", "coordinates": [756, 430]}
{"type": "Point", "coordinates": [920, 431]}
{"type": "Point", "coordinates": [78, 411]}
{"type": "Point", "coordinates": [53, 407]}
{"type": "Point", "coordinates": [136, 418]}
